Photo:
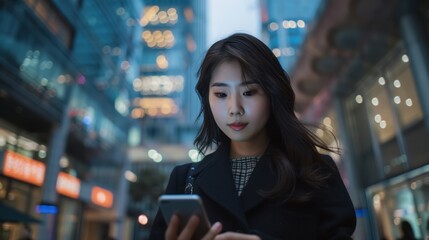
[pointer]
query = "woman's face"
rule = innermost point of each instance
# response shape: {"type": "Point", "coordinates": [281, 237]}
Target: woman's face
{"type": "Point", "coordinates": [241, 110]}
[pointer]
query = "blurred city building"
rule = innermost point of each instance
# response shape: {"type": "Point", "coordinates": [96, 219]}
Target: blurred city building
{"type": "Point", "coordinates": [174, 39]}
{"type": "Point", "coordinates": [81, 82]}
{"type": "Point", "coordinates": [285, 25]}
{"type": "Point", "coordinates": [173, 45]}
{"type": "Point", "coordinates": [66, 75]}
{"type": "Point", "coordinates": [363, 71]}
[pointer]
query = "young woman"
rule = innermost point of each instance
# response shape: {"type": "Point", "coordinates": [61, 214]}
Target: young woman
{"type": "Point", "coordinates": [265, 179]}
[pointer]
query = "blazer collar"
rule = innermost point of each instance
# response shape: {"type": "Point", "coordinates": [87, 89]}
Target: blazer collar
{"type": "Point", "coordinates": [262, 179]}
{"type": "Point", "coordinates": [214, 177]}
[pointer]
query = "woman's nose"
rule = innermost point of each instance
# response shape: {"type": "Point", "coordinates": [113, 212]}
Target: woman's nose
{"type": "Point", "coordinates": [235, 107]}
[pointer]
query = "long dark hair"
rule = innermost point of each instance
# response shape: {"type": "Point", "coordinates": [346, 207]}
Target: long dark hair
{"type": "Point", "coordinates": [294, 146]}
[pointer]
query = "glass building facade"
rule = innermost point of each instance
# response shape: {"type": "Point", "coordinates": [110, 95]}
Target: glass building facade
{"type": "Point", "coordinates": [389, 136]}
{"type": "Point", "coordinates": [373, 90]}
{"type": "Point", "coordinates": [284, 27]}
{"type": "Point", "coordinates": [65, 70]}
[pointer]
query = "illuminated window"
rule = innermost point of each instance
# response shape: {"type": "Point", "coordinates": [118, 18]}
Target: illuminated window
{"type": "Point", "coordinates": [404, 93]}
{"type": "Point", "coordinates": [379, 106]}
{"type": "Point", "coordinates": [51, 16]}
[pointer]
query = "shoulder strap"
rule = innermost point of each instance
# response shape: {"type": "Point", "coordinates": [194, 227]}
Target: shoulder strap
{"type": "Point", "coordinates": [189, 186]}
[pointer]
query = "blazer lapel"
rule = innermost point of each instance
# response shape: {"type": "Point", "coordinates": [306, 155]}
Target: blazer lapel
{"type": "Point", "coordinates": [214, 178]}
{"type": "Point", "coordinates": [262, 179]}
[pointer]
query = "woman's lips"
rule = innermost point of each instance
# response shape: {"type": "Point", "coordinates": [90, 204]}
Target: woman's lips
{"type": "Point", "coordinates": [237, 126]}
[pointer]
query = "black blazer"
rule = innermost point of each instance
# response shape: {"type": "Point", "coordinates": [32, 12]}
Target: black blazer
{"type": "Point", "coordinates": [329, 215]}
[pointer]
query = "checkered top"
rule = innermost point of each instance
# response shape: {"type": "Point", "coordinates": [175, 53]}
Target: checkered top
{"type": "Point", "coordinates": [242, 168]}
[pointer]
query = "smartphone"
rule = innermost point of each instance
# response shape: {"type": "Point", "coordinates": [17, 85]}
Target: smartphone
{"type": "Point", "coordinates": [185, 205]}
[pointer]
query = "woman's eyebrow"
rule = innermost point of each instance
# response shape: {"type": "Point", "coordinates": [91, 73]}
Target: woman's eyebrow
{"type": "Point", "coordinates": [219, 84]}
{"type": "Point", "coordinates": [249, 83]}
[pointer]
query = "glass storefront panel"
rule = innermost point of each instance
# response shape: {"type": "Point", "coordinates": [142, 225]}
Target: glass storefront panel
{"type": "Point", "coordinates": [378, 103]}
{"type": "Point", "coordinates": [388, 96]}
{"type": "Point", "coordinates": [361, 138]}
{"type": "Point", "coordinates": [68, 218]}
{"type": "Point", "coordinates": [392, 206]}
{"type": "Point", "coordinates": [385, 122]}
{"type": "Point", "coordinates": [402, 199]}
{"type": "Point", "coordinates": [24, 198]}
{"type": "Point", "coordinates": [421, 189]}
{"type": "Point", "coordinates": [385, 118]}
{"type": "Point", "coordinates": [36, 199]}
{"type": "Point", "coordinates": [405, 97]}
{"type": "Point", "coordinates": [382, 120]}
{"type": "Point", "coordinates": [358, 124]}
{"type": "Point", "coordinates": [18, 195]}
{"type": "Point", "coordinates": [410, 115]}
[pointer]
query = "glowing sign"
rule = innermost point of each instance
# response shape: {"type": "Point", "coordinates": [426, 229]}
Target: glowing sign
{"type": "Point", "coordinates": [23, 168]}
{"type": "Point", "coordinates": [68, 185]}
{"type": "Point", "coordinates": [159, 85]}
{"type": "Point", "coordinates": [46, 208]}
{"type": "Point", "coordinates": [102, 197]}
{"type": "Point", "coordinates": [154, 107]}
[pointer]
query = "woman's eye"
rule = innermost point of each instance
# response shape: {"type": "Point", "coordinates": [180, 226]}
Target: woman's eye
{"type": "Point", "coordinates": [220, 95]}
{"type": "Point", "coordinates": [249, 93]}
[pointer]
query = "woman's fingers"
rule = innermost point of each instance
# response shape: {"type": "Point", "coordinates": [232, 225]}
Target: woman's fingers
{"type": "Point", "coordinates": [173, 228]}
{"type": "Point", "coordinates": [236, 236]}
{"type": "Point", "coordinates": [214, 230]}
{"type": "Point", "coordinates": [190, 228]}
{"type": "Point", "coordinates": [173, 231]}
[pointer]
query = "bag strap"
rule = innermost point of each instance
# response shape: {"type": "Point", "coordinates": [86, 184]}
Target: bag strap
{"type": "Point", "coordinates": [189, 187]}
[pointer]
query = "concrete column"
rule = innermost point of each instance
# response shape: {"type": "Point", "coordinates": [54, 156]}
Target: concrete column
{"type": "Point", "coordinates": [56, 147]}
{"type": "Point", "coordinates": [121, 200]}
{"type": "Point", "coordinates": [417, 50]}
{"type": "Point", "coordinates": [357, 194]}
{"type": "Point", "coordinates": [347, 155]}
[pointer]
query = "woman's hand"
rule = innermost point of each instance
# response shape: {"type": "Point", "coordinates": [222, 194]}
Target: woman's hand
{"type": "Point", "coordinates": [236, 236]}
{"type": "Point", "coordinates": [172, 232]}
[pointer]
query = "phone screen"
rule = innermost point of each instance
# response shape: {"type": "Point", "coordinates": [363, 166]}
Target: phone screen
{"type": "Point", "coordinates": [185, 205]}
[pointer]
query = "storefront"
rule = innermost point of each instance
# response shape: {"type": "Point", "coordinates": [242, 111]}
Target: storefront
{"type": "Point", "coordinates": [69, 207]}
{"type": "Point", "coordinates": [404, 198]}
{"type": "Point", "coordinates": [21, 181]}
{"type": "Point", "coordinates": [99, 215]}
{"type": "Point", "coordinates": [389, 141]}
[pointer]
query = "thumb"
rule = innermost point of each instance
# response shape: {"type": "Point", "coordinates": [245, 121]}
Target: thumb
{"type": "Point", "coordinates": [214, 230]}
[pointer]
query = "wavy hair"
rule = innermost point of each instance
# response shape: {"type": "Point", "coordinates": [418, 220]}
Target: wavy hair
{"type": "Point", "coordinates": [294, 146]}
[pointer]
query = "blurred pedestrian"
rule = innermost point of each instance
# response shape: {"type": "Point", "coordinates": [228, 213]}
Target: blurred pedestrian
{"type": "Point", "coordinates": [26, 233]}
{"type": "Point", "coordinates": [266, 178]}
{"type": "Point", "coordinates": [407, 231]}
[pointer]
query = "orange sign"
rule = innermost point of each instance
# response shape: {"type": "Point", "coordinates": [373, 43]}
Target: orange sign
{"type": "Point", "coordinates": [68, 185]}
{"type": "Point", "coordinates": [23, 168]}
{"type": "Point", "coordinates": [102, 197]}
